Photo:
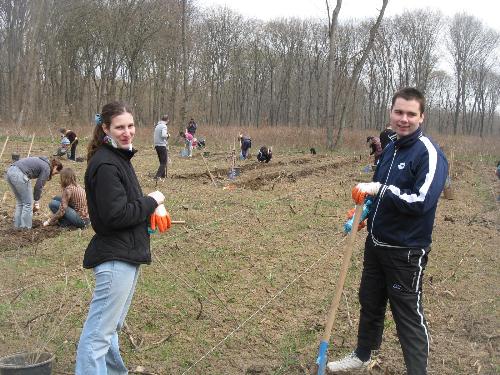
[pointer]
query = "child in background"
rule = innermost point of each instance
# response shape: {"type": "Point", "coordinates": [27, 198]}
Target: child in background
{"type": "Point", "coordinates": [63, 146]}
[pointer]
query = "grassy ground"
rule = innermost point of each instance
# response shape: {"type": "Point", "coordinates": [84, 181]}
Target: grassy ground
{"type": "Point", "coordinates": [245, 285]}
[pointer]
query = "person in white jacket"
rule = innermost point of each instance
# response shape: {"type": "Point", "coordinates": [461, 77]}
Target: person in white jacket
{"type": "Point", "coordinates": [161, 136]}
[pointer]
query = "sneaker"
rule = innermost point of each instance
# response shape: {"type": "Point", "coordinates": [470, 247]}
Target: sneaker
{"type": "Point", "coordinates": [348, 363]}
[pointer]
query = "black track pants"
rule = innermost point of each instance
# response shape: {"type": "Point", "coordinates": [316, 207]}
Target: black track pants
{"type": "Point", "coordinates": [394, 275]}
{"type": "Point", "coordinates": [162, 157]}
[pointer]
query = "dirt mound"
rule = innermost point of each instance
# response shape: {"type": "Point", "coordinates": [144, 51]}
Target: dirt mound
{"type": "Point", "coordinates": [15, 239]}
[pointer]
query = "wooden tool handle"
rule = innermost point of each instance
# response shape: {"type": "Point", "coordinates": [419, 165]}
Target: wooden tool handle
{"type": "Point", "coordinates": [343, 273]}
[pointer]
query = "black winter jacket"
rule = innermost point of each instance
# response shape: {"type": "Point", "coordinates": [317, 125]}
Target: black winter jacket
{"type": "Point", "coordinates": [118, 210]}
{"type": "Point", "coordinates": [412, 171]}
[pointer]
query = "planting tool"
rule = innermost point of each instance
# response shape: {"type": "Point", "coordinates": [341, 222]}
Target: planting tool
{"type": "Point", "coordinates": [151, 231]}
{"type": "Point", "coordinates": [3, 148]}
{"type": "Point", "coordinates": [31, 145]}
{"type": "Point", "coordinates": [233, 173]}
{"type": "Point", "coordinates": [323, 346]}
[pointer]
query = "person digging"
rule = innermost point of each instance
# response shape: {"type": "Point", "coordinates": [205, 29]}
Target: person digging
{"type": "Point", "coordinates": [407, 183]}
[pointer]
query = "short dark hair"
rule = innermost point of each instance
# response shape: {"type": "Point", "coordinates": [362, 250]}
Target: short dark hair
{"type": "Point", "coordinates": [164, 118]}
{"type": "Point", "coordinates": [410, 93]}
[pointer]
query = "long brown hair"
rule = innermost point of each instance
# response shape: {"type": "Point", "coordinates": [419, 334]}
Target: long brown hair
{"type": "Point", "coordinates": [54, 163]}
{"type": "Point", "coordinates": [109, 111]}
{"type": "Point", "coordinates": [68, 177]}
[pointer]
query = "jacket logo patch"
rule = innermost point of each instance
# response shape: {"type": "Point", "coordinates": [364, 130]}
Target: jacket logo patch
{"type": "Point", "coordinates": [401, 165]}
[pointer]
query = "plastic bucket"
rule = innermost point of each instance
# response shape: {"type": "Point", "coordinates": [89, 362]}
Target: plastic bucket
{"type": "Point", "coordinates": [27, 364]}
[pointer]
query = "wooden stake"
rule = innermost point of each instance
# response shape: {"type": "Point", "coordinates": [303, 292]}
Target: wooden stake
{"type": "Point", "coordinates": [3, 148]}
{"type": "Point", "coordinates": [31, 145]}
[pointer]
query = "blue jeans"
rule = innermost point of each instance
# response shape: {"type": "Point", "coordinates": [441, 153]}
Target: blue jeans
{"type": "Point", "coordinates": [98, 352]}
{"type": "Point", "coordinates": [21, 186]}
{"type": "Point", "coordinates": [70, 217]}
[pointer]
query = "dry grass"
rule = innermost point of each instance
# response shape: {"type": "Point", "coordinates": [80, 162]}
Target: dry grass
{"type": "Point", "coordinates": [240, 247]}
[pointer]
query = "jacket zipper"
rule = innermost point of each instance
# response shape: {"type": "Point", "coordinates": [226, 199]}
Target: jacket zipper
{"type": "Point", "coordinates": [384, 187]}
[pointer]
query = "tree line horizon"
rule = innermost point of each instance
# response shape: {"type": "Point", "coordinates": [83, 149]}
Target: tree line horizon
{"type": "Point", "coordinates": [63, 59]}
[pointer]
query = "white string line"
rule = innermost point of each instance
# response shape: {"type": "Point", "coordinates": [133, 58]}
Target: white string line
{"type": "Point", "coordinates": [261, 308]}
{"type": "Point", "coordinates": [178, 277]}
{"type": "Point", "coordinates": [200, 226]}
{"type": "Point", "coordinates": [183, 279]}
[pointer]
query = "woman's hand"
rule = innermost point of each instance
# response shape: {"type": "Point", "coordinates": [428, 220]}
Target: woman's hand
{"type": "Point", "coordinates": [157, 196]}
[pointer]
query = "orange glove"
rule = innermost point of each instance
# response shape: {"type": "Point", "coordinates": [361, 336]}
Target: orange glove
{"type": "Point", "coordinates": [350, 214]}
{"type": "Point", "coordinates": [160, 219]}
{"type": "Point", "coordinates": [363, 189]}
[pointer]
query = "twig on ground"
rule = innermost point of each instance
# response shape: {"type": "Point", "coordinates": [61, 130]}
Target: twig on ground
{"type": "Point", "coordinates": [224, 304]}
{"type": "Point", "coordinates": [126, 331]}
{"type": "Point", "coordinates": [201, 308]}
{"type": "Point", "coordinates": [157, 343]}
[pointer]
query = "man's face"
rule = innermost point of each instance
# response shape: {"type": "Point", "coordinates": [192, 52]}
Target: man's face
{"type": "Point", "coordinates": [405, 116]}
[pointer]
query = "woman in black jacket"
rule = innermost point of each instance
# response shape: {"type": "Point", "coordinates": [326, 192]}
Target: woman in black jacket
{"type": "Point", "coordinates": [119, 214]}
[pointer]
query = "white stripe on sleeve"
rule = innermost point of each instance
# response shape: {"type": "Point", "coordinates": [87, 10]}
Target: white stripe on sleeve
{"type": "Point", "coordinates": [422, 192]}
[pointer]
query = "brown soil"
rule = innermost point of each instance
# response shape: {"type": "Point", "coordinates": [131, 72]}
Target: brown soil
{"type": "Point", "coordinates": [246, 245]}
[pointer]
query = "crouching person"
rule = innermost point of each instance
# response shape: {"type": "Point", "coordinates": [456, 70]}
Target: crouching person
{"type": "Point", "coordinates": [69, 209]}
{"type": "Point", "coordinates": [265, 154]}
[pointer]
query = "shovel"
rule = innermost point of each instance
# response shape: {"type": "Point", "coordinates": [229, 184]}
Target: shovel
{"type": "Point", "coordinates": [323, 345]}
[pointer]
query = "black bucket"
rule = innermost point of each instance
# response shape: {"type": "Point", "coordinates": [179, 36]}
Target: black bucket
{"type": "Point", "coordinates": [15, 157]}
{"type": "Point", "coordinates": [27, 364]}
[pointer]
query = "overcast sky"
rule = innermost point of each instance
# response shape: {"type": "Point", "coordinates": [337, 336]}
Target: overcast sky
{"type": "Point", "coordinates": [269, 9]}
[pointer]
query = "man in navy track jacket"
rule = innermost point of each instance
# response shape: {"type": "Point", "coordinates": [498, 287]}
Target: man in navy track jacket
{"type": "Point", "coordinates": [406, 186]}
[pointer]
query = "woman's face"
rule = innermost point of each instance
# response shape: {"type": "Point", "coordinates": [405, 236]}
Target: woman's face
{"type": "Point", "coordinates": [122, 130]}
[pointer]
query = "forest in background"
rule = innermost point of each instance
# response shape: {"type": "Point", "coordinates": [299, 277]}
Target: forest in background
{"type": "Point", "coordinates": [63, 59]}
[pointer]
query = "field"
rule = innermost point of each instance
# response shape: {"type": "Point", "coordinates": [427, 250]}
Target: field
{"type": "Point", "coordinates": [244, 286]}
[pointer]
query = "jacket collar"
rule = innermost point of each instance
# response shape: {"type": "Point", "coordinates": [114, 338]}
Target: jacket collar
{"type": "Point", "coordinates": [126, 154]}
{"type": "Point", "coordinates": [409, 139]}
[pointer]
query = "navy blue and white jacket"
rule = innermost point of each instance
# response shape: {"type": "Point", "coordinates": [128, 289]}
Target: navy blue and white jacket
{"type": "Point", "coordinates": [412, 172]}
